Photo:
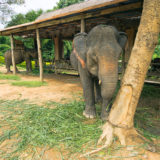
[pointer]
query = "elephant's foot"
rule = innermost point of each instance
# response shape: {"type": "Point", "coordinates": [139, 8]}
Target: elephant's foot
{"type": "Point", "coordinates": [89, 112]}
{"type": "Point", "coordinates": [104, 115]}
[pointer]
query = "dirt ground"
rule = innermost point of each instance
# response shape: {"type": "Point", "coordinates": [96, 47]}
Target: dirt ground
{"type": "Point", "coordinates": [62, 88]}
{"type": "Point", "coordinates": [58, 88]}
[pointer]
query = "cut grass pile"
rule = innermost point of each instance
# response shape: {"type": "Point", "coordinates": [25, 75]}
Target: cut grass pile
{"type": "Point", "coordinates": [9, 77]}
{"type": "Point", "coordinates": [29, 83]}
{"type": "Point", "coordinates": [63, 126]}
{"type": "Point", "coordinates": [37, 126]}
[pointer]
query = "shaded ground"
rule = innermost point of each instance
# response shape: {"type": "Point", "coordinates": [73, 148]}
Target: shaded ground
{"type": "Point", "coordinates": [64, 88]}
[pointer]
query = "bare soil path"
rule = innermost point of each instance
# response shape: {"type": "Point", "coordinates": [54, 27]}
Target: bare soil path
{"type": "Point", "coordinates": [58, 88]}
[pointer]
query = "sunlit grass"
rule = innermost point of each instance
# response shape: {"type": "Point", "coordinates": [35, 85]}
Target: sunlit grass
{"type": "Point", "coordinates": [29, 83]}
{"type": "Point", "coordinates": [9, 77]}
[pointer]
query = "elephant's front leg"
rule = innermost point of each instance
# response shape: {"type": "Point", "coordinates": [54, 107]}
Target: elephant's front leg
{"type": "Point", "coordinates": [88, 91]}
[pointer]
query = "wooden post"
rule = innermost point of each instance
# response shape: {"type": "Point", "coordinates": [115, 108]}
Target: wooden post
{"type": "Point", "coordinates": [39, 55]}
{"type": "Point", "coordinates": [58, 46]}
{"type": "Point", "coordinates": [61, 49]}
{"type": "Point", "coordinates": [131, 33]}
{"type": "Point", "coordinates": [82, 25]}
{"type": "Point", "coordinates": [12, 53]}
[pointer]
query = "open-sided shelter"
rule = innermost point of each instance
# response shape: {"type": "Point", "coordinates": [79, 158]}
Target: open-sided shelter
{"type": "Point", "coordinates": [82, 17]}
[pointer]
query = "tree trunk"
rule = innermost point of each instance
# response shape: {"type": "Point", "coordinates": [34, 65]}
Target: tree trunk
{"type": "Point", "coordinates": [121, 117]}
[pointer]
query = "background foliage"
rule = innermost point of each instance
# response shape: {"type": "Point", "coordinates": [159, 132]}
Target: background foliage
{"type": "Point", "coordinates": [47, 44]}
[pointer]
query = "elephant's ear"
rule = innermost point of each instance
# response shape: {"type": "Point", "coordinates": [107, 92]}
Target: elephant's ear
{"type": "Point", "coordinates": [122, 39]}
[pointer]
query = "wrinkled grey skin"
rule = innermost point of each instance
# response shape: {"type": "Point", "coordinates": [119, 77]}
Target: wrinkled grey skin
{"type": "Point", "coordinates": [100, 51]}
{"type": "Point", "coordinates": [20, 56]}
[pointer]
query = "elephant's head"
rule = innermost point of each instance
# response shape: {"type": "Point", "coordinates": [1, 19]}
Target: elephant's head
{"type": "Point", "coordinates": [33, 54]}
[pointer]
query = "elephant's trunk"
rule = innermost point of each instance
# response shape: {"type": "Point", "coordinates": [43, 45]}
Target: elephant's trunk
{"type": "Point", "coordinates": [108, 75]}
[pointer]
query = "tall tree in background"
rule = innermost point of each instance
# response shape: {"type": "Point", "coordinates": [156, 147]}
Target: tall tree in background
{"type": "Point", "coordinates": [24, 18]}
{"type": "Point", "coordinates": [121, 118]}
{"type": "Point", "coordinates": [65, 3]}
{"type": "Point", "coordinates": [5, 8]}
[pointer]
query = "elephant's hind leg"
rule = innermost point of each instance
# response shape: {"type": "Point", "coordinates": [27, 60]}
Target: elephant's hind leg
{"type": "Point", "coordinates": [8, 68]}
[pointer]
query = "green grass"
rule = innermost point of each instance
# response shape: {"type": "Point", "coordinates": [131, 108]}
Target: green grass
{"type": "Point", "coordinates": [147, 117]}
{"type": "Point", "coordinates": [38, 126]}
{"type": "Point", "coordinates": [55, 125]}
{"type": "Point", "coordinates": [9, 77]}
{"type": "Point", "coordinates": [29, 83]}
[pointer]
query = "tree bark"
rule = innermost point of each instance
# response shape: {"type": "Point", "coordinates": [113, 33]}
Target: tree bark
{"type": "Point", "coordinates": [121, 117]}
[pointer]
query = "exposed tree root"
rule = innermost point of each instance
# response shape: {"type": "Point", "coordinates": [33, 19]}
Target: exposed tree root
{"type": "Point", "coordinates": [109, 131]}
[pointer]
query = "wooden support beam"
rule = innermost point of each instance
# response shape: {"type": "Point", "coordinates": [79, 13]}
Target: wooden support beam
{"type": "Point", "coordinates": [131, 33]}
{"type": "Point", "coordinates": [58, 46]}
{"type": "Point", "coordinates": [12, 53]}
{"type": "Point", "coordinates": [82, 25]}
{"type": "Point", "coordinates": [39, 55]}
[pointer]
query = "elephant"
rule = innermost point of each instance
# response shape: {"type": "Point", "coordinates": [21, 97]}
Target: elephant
{"type": "Point", "coordinates": [20, 56]}
{"type": "Point", "coordinates": [95, 55]}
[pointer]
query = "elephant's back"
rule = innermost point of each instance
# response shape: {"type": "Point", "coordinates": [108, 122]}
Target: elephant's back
{"type": "Point", "coordinates": [7, 57]}
{"type": "Point", "coordinates": [18, 55]}
{"type": "Point", "coordinates": [7, 54]}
